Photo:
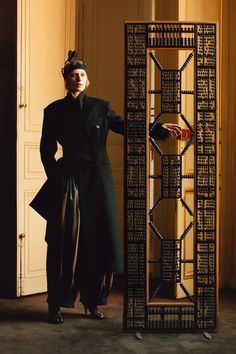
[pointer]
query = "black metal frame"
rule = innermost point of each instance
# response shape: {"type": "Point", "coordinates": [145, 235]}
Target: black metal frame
{"type": "Point", "coordinates": [202, 313]}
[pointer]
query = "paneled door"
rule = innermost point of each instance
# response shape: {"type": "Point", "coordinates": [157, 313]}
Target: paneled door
{"type": "Point", "coordinates": [46, 30]}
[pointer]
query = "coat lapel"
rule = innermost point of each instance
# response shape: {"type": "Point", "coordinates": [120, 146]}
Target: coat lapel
{"type": "Point", "coordinates": [86, 109]}
{"type": "Point", "coordinates": [86, 115]}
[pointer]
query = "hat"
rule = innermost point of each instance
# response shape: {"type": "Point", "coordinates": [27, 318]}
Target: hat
{"type": "Point", "coordinates": [73, 62]}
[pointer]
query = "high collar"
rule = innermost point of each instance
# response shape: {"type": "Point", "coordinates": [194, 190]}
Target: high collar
{"type": "Point", "coordinates": [79, 99]}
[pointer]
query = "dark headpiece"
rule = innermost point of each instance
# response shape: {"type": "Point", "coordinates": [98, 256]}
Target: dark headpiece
{"type": "Point", "coordinates": [73, 62]}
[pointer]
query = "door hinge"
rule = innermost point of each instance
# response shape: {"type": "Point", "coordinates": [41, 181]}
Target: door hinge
{"type": "Point", "coordinates": [21, 279]}
{"type": "Point", "coordinates": [22, 105]}
{"type": "Point", "coordinates": [21, 236]}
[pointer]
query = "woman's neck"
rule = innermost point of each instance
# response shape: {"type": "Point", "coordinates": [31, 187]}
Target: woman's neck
{"type": "Point", "coordinates": [74, 94]}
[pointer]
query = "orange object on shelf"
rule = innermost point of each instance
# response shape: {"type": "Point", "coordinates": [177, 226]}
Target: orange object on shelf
{"type": "Point", "coordinates": [186, 134]}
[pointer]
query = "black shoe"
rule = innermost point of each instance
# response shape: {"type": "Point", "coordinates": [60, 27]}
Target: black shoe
{"type": "Point", "coordinates": [95, 313]}
{"type": "Point", "coordinates": [54, 315]}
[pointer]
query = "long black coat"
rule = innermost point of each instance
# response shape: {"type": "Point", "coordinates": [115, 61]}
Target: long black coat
{"type": "Point", "coordinates": [82, 133]}
{"type": "Point", "coordinates": [81, 127]}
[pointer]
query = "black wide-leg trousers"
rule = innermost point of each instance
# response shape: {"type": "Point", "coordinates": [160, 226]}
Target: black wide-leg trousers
{"type": "Point", "coordinates": [93, 286]}
{"type": "Point", "coordinates": [68, 267]}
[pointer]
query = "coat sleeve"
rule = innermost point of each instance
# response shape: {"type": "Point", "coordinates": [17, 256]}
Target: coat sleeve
{"type": "Point", "coordinates": [157, 132]}
{"type": "Point", "coordinates": [48, 145]}
{"type": "Point", "coordinates": [115, 122]}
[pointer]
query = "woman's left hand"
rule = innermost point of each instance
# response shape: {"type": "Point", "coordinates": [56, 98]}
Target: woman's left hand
{"type": "Point", "coordinates": [173, 129]}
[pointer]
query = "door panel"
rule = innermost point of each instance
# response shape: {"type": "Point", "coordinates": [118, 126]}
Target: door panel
{"type": "Point", "coordinates": [183, 217]}
{"type": "Point", "coordinates": [46, 30]}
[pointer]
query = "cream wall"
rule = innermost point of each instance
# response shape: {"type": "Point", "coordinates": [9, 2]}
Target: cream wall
{"type": "Point", "coordinates": [228, 109]}
{"type": "Point", "coordinates": [167, 10]}
{"type": "Point", "coordinates": [223, 12]}
{"type": "Point", "coordinates": [200, 10]}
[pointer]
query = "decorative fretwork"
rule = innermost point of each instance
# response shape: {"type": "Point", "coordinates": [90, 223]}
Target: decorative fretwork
{"type": "Point", "coordinates": [170, 263]}
{"type": "Point", "coordinates": [170, 91]}
{"type": "Point", "coordinates": [142, 42]}
{"type": "Point", "coordinates": [171, 176]}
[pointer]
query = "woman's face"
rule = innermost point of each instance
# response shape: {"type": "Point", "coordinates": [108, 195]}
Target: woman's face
{"type": "Point", "coordinates": [76, 81]}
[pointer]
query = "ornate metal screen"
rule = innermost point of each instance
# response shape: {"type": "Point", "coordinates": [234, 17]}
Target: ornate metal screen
{"type": "Point", "coordinates": [170, 214]}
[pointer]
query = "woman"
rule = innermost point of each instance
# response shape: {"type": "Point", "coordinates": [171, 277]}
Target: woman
{"type": "Point", "coordinates": [78, 199]}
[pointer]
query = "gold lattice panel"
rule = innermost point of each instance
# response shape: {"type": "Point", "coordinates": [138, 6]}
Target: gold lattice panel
{"type": "Point", "coordinates": [143, 43]}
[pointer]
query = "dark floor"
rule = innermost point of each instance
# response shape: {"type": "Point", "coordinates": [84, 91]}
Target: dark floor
{"type": "Point", "coordinates": [23, 329]}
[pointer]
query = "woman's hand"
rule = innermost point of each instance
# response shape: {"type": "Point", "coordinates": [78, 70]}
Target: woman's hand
{"type": "Point", "coordinates": [173, 129]}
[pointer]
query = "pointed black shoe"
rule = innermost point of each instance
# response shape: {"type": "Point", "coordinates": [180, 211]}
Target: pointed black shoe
{"type": "Point", "coordinates": [95, 313]}
{"type": "Point", "coordinates": [54, 315]}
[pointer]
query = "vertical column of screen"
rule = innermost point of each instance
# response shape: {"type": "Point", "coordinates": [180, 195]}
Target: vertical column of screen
{"type": "Point", "coordinates": [206, 177]}
{"type": "Point", "coordinates": [135, 177]}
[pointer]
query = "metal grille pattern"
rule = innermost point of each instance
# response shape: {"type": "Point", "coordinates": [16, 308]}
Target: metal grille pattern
{"type": "Point", "coordinates": [138, 313]}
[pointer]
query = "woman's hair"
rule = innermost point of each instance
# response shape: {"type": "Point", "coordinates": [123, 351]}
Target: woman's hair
{"type": "Point", "coordinates": [87, 83]}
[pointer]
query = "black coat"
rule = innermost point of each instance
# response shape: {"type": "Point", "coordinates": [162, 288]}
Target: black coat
{"type": "Point", "coordinates": [82, 133]}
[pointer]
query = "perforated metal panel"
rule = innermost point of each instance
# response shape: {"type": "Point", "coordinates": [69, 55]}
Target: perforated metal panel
{"type": "Point", "coordinates": [143, 40]}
